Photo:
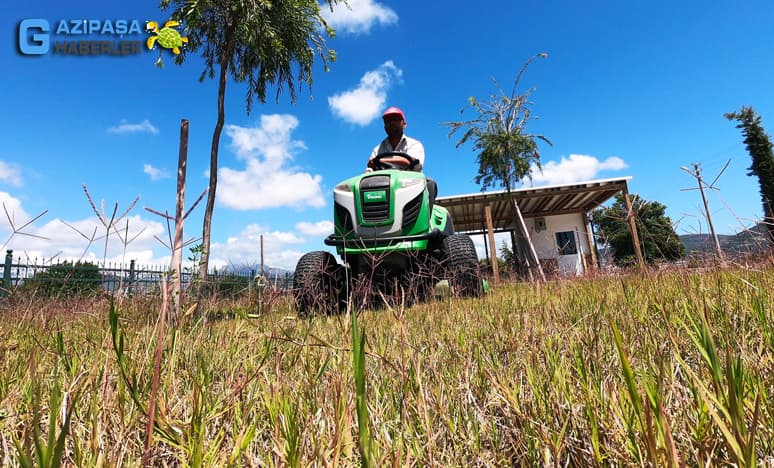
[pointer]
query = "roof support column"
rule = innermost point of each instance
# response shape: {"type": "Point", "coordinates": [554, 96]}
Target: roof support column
{"type": "Point", "coordinates": [532, 259]}
{"type": "Point", "coordinates": [493, 250]}
{"type": "Point", "coordinates": [486, 247]}
{"type": "Point", "coordinates": [592, 241]}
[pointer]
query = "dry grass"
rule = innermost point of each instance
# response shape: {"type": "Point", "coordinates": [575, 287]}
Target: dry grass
{"type": "Point", "coordinates": [646, 369]}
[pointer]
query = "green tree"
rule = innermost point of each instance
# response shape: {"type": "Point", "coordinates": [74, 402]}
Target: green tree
{"type": "Point", "coordinates": [260, 43]}
{"type": "Point", "coordinates": [67, 279]}
{"type": "Point", "coordinates": [506, 152]}
{"type": "Point", "coordinates": [760, 148]}
{"type": "Point", "coordinates": [506, 254]}
{"type": "Point", "coordinates": [657, 235]}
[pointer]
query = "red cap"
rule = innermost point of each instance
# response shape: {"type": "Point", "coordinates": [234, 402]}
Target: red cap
{"type": "Point", "coordinates": [392, 111]}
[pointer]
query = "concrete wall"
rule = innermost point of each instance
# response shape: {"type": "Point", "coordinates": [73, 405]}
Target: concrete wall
{"type": "Point", "coordinates": [547, 249]}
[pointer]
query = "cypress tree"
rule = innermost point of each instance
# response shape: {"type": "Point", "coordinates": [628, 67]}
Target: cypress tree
{"type": "Point", "coordinates": [760, 148]}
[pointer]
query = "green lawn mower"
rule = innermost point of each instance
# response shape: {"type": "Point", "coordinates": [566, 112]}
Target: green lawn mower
{"type": "Point", "coordinates": [395, 244]}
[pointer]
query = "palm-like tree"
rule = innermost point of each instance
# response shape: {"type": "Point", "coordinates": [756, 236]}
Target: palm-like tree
{"type": "Point", "coordinates": [506, 151]}
{"type": "Point", "coordinates": [258, 42]}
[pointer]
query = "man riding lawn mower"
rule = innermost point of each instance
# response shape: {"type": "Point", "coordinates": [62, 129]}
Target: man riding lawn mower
{"type": "Point", "coordinates": [394, 242]}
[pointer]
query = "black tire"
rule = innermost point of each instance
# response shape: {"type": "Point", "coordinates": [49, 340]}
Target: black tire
{"type": "Point", "coordinates": [462, 268]}
{"type": "Point", "coordinates": [317, 284]}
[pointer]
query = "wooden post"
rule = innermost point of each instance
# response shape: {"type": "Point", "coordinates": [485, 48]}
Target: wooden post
{"type": "Point", "coordinates": [579, 251]}
{"type": "Point", "coordinates": [592, 242]}
{"type": "Point", "coordinates": [486, 246]}
{"type": "Point", "coordinates": [263, 271]}
{"type": "Point", "coordinates": [633, 228]}
{"type": "Point", "coordinates": [716, 242]}
{"type": "Point", "coordinates": [493, 253]}
{"type": "Point", "coordinates": [177, 245]}
{"type": "Point", "coordinates": [130, 286]}
{"type": "Point", "coordinates": [531, 255]}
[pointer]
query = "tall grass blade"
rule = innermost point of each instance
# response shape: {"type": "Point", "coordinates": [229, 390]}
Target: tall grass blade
{"type": "Point", "coordinates": [358, 364]}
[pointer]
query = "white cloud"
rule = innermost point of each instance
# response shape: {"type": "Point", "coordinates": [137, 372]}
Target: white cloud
{"type": "Point", "coordinates": [10, 174]}
{"type": "Point", "coordinates": [576, 168]}
{"type": "Point", "coordinates": [125, 127]}
{"type": "Point", "coordinates": [48, 240]}
{"type": "Point", "coordinates": [278, 246]}
{"type": "Point", "coordinates": [320, 228]}
{"type": "Point", "coordinates": [155, 173]}
{"type": "Point", "coordinates": [84, 239]}
{"type": "Point", "coordinates": [13, 207]}
{"type": "Point", "coordinates": [363, 104]}
{"type": "Point", "coordinates": [44, 242]}
{"type": "Point", "coordinates": [359, 16]}
{"type": "Point", "coordinates": [271, 140]}
{"type": "Point", "coordinates": [268, 180]}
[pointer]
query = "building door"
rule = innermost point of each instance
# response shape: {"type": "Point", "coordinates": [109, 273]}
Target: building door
{"type": "Point", "coordinates": [569, 258]}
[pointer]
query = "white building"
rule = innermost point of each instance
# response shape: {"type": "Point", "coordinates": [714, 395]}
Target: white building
{"type": "Point", "coordinates": [553, 229]}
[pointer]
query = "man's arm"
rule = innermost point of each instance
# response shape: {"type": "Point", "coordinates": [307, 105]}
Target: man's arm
{"type": "Point", "coordinates": [417, 150]}
{"type": "Point", "coordinates": [375, 151]}
{"type": "Point", "coordinates": [369, 165]}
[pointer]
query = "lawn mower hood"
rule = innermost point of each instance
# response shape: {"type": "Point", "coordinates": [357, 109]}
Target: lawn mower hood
{"type": "Point", "coordinates": [385, 207]}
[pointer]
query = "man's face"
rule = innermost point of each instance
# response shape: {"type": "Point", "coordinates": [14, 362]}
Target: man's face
{"type": "Point", "coordinates": [394, 125]}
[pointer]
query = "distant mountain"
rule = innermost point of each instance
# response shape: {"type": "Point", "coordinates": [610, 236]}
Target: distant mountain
{"type": "Point", "coordinates": [748, 241]}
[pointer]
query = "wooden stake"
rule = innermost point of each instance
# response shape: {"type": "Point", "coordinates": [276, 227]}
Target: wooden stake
{"type": "Point", "coordinates": [177, 244]}
{"type": "Point", "coordinates": [633, 229]}
{"type": "Point", "coordinates": [493, 250]}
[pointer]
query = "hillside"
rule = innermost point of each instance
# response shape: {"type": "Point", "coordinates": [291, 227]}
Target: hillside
{"type": "Point", "coordinates": [745, 242]}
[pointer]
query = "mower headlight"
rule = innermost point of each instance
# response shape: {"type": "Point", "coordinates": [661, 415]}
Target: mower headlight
{"type": "Point", "coordinates": [410, 182]}
{"type": "Point", "coordinates": [344, 187]}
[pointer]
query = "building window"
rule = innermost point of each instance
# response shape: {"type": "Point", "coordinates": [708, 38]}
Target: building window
{"type": "Point", "coordinates": [565, 242]}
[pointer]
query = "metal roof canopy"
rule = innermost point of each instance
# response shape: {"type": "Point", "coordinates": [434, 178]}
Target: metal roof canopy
{"type": "Point", "coordinates": [467, 211]}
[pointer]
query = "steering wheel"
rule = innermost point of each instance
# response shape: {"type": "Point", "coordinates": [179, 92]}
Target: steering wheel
{"type": "Point", "coordinates": [379, 161]}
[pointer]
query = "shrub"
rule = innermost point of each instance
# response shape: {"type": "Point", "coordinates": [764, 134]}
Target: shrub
{"type": "Point", "coordinates": [67, 279]}
{"type": "Point", "coordinates": [227, 286]}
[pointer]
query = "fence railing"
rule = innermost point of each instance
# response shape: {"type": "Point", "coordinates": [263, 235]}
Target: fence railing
{"type": "Point", "coordinates": [133, 278]}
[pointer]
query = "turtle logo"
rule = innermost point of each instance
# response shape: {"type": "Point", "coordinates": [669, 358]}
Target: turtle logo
{"type": "Point", "coordinates": [167, 37]}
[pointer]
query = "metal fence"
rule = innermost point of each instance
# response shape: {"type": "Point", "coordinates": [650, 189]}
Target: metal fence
{"type": "Point", "coordinates": [133, 278]}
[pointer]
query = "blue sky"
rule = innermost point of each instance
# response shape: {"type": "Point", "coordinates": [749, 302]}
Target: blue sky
{"type": "Point", "coordinates": [628, 89]}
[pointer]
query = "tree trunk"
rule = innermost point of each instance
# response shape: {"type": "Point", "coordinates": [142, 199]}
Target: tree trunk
{"type": "Point", "coordinates": [207, 225]}
{"type": "Point", "coordinates": [176, 266]}
{"type": "Point", "coordinates": [768, 221]}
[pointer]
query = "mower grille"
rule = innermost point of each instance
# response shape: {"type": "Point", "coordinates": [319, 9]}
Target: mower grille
{"type": "Point", "coordinates": [374, 212]}
{"type": "Point", "coordinates": [411, 211]}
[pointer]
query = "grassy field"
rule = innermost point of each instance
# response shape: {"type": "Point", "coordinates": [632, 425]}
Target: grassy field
{"type": "Point", "coordinates": [653, 369]}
